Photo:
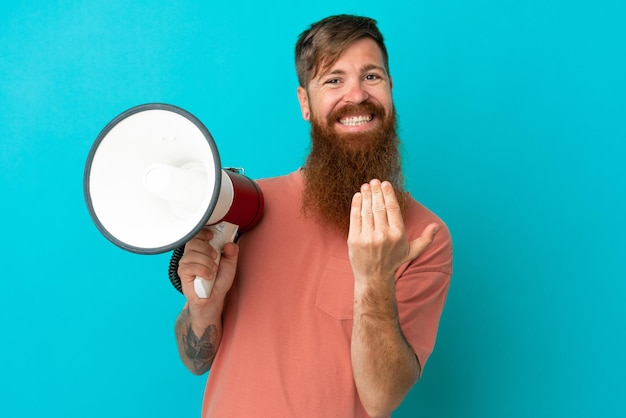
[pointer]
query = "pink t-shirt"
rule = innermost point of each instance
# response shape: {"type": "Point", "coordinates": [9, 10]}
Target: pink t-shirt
{"type": "Point", "coordinates": [287, 322]}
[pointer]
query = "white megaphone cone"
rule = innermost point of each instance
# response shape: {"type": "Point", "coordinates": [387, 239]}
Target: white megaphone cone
{"type": "Point", "coordinates": [153, 180]}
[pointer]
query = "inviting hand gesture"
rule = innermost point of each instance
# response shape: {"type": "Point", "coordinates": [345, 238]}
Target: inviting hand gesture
{"type": "Point", "coordinates": [377, 242]}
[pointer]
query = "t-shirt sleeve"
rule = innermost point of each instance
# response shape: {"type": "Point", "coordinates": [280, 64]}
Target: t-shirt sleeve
{"type": "Point", "coordinates": [421, 290]}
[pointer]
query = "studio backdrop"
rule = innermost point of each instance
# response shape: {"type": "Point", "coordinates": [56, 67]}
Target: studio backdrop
{"type": "Point", "coordinates": [512, 116]}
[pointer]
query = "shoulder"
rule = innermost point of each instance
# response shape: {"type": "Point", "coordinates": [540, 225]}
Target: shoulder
{"type": "Point", "coordinates": [291, 180]}
{"type": "Point", "coordinates": [281, 188]}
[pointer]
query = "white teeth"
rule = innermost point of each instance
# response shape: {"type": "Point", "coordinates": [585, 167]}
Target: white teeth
{"type": "Point", "coordinates": [356, 120]}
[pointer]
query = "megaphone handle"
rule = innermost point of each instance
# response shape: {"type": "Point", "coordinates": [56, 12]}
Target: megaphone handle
{"type": "Point", "coordinates": [223, 233]}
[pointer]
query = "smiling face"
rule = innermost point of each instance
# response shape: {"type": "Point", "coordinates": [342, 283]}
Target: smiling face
{"type": "Point", "coordinates": [352, 96]}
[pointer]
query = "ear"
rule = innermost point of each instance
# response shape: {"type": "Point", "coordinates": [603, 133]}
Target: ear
{"type": "Point", "coordinates": [303, 99]}
{"type": "Point", "coordinates": [390, 83]}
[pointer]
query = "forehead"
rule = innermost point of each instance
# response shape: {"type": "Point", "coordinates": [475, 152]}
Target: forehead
{"type": "Point", "coordinates": [363, 54]}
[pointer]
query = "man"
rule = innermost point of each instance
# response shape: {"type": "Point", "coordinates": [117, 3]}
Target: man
{"type": "Point", "coordinates": [330, 306]}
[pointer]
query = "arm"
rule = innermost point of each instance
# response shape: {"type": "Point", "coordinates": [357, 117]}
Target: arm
{"type": "Point", "coordinates": [199, 325]}
{"type": "Point", "coordinates": [384, 365]}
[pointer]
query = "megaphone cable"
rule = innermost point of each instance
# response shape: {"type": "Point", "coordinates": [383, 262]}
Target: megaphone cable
{"type": "Point", "coordinates": [173, 268]}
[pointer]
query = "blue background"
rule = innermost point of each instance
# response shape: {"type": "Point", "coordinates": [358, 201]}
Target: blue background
{"type": "Point", "coordinates": [513, 119]}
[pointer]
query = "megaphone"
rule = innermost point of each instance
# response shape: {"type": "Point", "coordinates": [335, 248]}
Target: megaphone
{"type": "Point", "coordinates": [153, 179]}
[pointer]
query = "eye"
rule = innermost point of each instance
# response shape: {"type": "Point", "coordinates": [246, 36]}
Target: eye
{"type": "Point", "coordinates": [332, 81]}
{"type": "Point", "coordinates": [372, 77]}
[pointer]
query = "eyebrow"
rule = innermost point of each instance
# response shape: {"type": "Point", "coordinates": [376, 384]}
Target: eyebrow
{"type": "Point", "coordinates": [364, 69]}
{"type": "Point", "coordinates": [370, 67]}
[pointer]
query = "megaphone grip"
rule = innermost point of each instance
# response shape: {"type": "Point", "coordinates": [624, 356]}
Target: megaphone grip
{"type": "Point", "coordinates": [223, 233]}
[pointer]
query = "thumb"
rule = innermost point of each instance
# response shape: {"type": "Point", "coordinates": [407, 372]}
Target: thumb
{"type": "Point", "coordinates": [228, 260]}
{"type": "Point", "coordinates": [226, 269]}
{"type": "Point", "coordinates": [417, 246]}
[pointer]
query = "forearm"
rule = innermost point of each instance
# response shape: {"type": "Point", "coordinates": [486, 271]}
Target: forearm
{"type": "Point", "coordinates": [198, 335]}
{"type": "Point", "coordinates": [384, 365]}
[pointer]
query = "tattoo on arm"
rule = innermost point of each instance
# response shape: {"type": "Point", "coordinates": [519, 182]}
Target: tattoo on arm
{"type": "Point", "coordinates": [196, 352]}
{"type": "Point", "coordinates": [200, 351]}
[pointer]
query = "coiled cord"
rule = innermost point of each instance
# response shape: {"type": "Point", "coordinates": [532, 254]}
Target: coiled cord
{"type": "Point", "coordinates": [173, 268]}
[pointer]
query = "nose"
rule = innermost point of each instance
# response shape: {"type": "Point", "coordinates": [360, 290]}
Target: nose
{"type": "Point", "coordinates": [356, 93]}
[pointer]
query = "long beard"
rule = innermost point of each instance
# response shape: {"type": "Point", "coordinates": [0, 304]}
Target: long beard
{"type": "Point", "coordinates": [339, 164]}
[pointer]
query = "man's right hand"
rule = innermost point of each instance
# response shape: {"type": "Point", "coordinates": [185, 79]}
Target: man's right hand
{"type": "Point", "coordinates": [199, 259]}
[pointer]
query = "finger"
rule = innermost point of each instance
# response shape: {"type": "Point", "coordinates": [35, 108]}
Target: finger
{"type": "Point", "coordinates": [201, 246]}
{"type": "Point", "coordinates": [231, 250]}
{"type": "Point", "coordinates": [367, 218]}
{"type": "Point", "coordinates": [227, 267]}
{"type": "Point", "coordinates": [205, 234]}
{"type": "Point", "coordinates": [391, 201]}
{"type": "Point", "coordinates": [198, 259]}
{"type": "Point", "coordinates": [355, 214]}
{"type": "Point", "coordinates": [393, 212]}
{"type": "Point", "coordinates": [379, 209]}
{"type": "Point", "coordinates": [417, 246]}
{"type": "Point", "coordinates": [193, 265]}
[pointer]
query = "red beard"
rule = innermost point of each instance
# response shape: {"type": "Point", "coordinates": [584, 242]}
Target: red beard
{"type": "Point", "coordinates": [340, 163]}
